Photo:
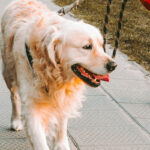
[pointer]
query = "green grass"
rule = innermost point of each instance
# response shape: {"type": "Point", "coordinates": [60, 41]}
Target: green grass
{"type": "Point", "coordinates": [135, 33]}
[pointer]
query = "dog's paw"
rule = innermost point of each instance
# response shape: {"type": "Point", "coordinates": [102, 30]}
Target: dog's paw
{"type": "Point", "coordinates": [16, 125]}
{"type": "Point", "coordinates": [61, 147]}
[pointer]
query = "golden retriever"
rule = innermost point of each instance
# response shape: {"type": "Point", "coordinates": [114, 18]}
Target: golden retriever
{"type": "Point", "coordinates": [46, 61]}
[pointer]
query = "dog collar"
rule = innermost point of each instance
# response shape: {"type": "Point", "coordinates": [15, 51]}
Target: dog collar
{"type": "Point", "coordinates": [29, 56]}
{"type": "Point", "coordinates": [30, 59]}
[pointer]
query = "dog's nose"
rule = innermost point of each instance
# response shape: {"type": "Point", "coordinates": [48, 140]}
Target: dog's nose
{"type": "Point", "coordinates": [111, 65]}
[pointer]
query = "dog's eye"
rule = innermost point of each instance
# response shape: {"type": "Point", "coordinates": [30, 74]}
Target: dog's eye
{"type": "Point", "coordinates": [88, 47]}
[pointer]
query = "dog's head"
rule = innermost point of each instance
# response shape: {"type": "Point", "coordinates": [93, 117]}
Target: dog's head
{"type": "Point", "coordinates": [79, 47]}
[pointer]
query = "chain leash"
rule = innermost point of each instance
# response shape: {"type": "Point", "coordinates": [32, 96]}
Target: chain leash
{"type": "Point", "coordinates": [119, 25]}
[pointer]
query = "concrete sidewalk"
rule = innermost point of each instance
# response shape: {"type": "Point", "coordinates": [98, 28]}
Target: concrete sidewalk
{"type": "Point", "coordinates": [115, 116]}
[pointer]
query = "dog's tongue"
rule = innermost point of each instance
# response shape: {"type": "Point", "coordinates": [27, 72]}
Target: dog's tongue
{"type": "Point", "coordinates": [103, 77]}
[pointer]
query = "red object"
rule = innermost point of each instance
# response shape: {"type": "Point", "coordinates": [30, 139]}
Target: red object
{"type": "Point", "coordinates": [105, 78]}
{"type": "Point", "coordinates": [146, 3]}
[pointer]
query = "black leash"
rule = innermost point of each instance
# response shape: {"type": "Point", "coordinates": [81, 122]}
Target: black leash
{"type": "Point", "coordinates": [119, 25]}
{"type": "Point", "coordinates": [106, 22]}
{"type": "Point", "coordinates": [119, 28]}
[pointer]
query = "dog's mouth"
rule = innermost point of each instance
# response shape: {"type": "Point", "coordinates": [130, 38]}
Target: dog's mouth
{"type": "Point", "coordinates": [88, 77]}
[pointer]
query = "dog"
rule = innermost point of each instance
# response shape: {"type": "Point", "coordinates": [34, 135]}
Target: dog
{"type": "Point", "coordinates": [47, 60]}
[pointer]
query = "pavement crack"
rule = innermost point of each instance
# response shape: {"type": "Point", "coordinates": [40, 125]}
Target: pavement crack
{"type": "Point", "coordinates": [73, 140]}
{"type": "Point", "coordinates": [127, 113]}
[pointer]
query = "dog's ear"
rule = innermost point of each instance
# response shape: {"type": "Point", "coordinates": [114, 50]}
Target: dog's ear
{"type": "Point", "coordinates": [52, 50]}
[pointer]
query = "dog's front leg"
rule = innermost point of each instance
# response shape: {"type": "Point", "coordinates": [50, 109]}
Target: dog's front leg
{"type": "Point", "coordinates": [62, 139]}
{"type": "Point", "coordinates": [35, 131]}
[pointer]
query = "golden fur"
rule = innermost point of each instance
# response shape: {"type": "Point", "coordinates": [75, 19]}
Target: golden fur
{"type": "Point", "coordinates": [49, 91]}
